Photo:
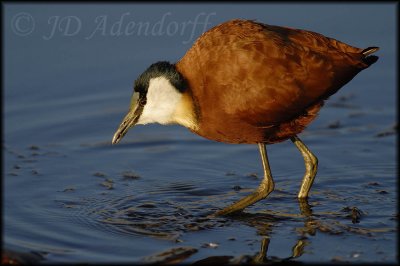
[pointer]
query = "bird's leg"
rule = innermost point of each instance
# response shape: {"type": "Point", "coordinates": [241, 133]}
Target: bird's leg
{"type": "Point", "coordinates": [311, 163]}
{"type": "Point", "coordinates": [266, 187]}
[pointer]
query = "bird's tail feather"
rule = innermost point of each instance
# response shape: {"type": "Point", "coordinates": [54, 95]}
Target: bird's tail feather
{"type": "Point", "coordinates": [368, 58]}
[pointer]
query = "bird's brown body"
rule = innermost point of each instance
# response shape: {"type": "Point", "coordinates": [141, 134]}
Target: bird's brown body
{"type": "Point", "coordinates": [256, 83]}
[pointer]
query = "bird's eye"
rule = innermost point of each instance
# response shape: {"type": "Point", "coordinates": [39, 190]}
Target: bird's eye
{"type": "Point", "coordinates": [143, 101]}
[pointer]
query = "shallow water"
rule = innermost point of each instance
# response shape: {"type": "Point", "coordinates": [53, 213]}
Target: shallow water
{"type": "Point", "coordinates": [70, 196]}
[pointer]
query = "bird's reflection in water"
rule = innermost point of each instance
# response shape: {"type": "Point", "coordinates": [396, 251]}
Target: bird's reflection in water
{"type": "Point", "coordinates": [301, 243]}
{"type": "Point", "coordinates": [261, 257]}
{"type": "Point", "coordinates": [264, 224]}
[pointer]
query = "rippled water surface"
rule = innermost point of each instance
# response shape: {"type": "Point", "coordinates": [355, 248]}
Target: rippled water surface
{"type": "Point", "coordinates": [69, 196]}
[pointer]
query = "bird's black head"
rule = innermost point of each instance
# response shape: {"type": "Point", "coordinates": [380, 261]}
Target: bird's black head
{"type": "Point", "coordinates": [160, 69]}
{"type": "Point", "coordinates": [158, 89]}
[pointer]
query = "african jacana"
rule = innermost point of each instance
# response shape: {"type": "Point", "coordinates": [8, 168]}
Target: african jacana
{"type": "Point", "coordinates": [248, 82]}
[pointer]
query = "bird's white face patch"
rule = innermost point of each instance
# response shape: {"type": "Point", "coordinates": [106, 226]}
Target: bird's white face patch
{"type": "Point", "coordinates": [162, 100]}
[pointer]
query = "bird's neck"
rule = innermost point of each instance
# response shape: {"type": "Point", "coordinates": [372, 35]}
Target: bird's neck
{"type": "Point", "coordinates": [185, 113]}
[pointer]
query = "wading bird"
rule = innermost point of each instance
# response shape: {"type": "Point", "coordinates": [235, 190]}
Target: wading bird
{"type": "Point", "coordinates": [248, 82]}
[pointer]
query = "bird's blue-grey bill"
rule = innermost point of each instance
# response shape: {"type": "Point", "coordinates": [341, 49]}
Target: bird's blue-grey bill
{"type": "Point", "coordinates": [129, 120]}
{"type": "Point", "coordinates": [123, 128]}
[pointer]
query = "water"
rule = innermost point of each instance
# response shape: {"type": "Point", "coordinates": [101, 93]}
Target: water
{"type": "Point", "coordinates": [70, 196]}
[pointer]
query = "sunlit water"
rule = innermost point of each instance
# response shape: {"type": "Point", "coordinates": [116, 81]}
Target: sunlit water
{"type": "Point", "coordinates": [72, 197]}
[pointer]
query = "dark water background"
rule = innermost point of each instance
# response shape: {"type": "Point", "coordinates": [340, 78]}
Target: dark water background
{"type": "Point", "coordinates": [70, 196]}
